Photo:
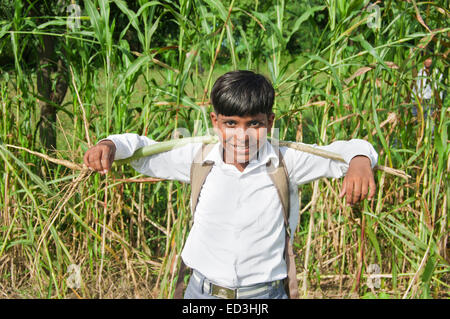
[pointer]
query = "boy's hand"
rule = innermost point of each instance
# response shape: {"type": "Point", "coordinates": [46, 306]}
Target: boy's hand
{"type": "Point", "coordinates": [101, 156]}
{"type": "Point", "coordinates": [358, 180]}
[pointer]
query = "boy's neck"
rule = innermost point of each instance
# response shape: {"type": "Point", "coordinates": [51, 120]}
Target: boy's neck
{"type": "Point", "coordinates": [240, 166]}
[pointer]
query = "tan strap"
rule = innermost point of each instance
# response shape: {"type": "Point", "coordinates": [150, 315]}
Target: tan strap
{"type": "Point", "coordinates": [291, 282]}
{"type": "Point", "coordinates": [199, 172]}
{"type": "Point", "coordinates": [280, 179]}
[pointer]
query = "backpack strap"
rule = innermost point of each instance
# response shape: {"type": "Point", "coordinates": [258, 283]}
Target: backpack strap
{"type": "Point", "coordinates": [199, 172]}
{"type": "Point", "coordinates": [280, 179]}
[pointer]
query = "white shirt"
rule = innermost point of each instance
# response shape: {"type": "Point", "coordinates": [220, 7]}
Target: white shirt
{"type": "Point", "coordinates": [237, 238]}
{"type": "Point", "coordinates": [423, 84]}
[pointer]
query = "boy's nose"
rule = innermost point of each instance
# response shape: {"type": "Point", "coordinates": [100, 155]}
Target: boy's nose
{"type": "Point", "coordinates": [237, 135]}
{"type": "Point", "coordinates": [241, 136]}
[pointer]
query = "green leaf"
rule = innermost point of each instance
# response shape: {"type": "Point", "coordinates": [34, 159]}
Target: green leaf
{"type": "Point", "coordinates": [223, 13]}
{"type": "Point", "coordinates": [374, 241]}
{"type": "Point", "coordinates": [334, 73]}
{"type": "Point", "coordinates": [34, 177]}
{"type": "Point", "coordinates": [58, 22]}
{"type": "Point", "coordinates": [132, 17]}
{"type": "Point", "coordinates": [369, 295]}
{"type": "Point", "coordinates": [20, 242]}
{"type": "Point", "coordinates": [429, 269]}
{"type": "Point", "coordinates": [304, 17]}
{"type": "Point", "coordinates": [5, 29]}
{"type": "Point", "coordinates": [369, 48]}
{"type": "Point", "coordinates": [383, 295]}
{"type": "Point", "coordinates": [132, 70]}
{"type": "Point", "coordinates": [94, 17]}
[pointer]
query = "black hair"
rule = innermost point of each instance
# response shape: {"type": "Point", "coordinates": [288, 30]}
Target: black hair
{"type": "Point", "coordinates": [241, 93]}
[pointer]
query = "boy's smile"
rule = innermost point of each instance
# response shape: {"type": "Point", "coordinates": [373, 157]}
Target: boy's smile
{"type": "Point", "coordinates": [241, 136]}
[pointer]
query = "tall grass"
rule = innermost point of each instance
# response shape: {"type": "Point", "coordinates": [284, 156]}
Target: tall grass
{"type": "Point", "coordinates": [352, 79]}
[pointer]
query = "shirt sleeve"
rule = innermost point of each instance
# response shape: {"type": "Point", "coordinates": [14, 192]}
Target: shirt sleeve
{"type": "Point", "coordinates": [174, 164]}
{"type": "Point", "coordinates": [305, 167]}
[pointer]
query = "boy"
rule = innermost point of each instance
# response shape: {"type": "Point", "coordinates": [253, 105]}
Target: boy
{"type": "Point", "coordinates": [237, 240]}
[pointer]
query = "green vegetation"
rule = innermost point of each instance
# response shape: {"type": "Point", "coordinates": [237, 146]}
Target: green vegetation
{"type": "Point", "coordinates": [341, 70]}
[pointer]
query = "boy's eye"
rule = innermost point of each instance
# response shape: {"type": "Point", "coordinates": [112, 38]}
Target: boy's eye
{"type": "Point", "coordinates": [230, 123]}
{"type": "Point", "coordinates": [254, 123]}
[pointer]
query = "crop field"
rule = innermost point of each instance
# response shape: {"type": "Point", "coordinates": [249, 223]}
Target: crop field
{"type": "Point", "coordinates": [74, 72]}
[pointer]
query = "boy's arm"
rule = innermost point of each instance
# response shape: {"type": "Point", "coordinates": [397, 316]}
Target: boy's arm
{"type": "Point", "coordinates": [101, 156]}
{"type": "Point", "coordinates": [174, 164]}
{"type": "Point", "coordinates": [359, 181]}
{"type": "Point", "coordinates": [360, 158]}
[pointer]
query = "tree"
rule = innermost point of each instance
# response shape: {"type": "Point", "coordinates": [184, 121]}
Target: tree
{"type": "Point", "coordinates": [52, 74]}
{"type": "Point", "coordinates": [43, 53]}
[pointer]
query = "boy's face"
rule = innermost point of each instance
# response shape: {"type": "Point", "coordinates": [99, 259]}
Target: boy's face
{"type": "Point", "coordinates": [241, 136]}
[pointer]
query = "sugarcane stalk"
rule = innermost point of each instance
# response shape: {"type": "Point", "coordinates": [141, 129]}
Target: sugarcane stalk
{"type": "Point", "coordinates": [169, 145]}
{"type": "Point", "coordinates": [334, 156]}
{"type": "Point", "coordinates": [166, 146]}
{"type": "Point", "coordinates": [312, 150]}
{"type": "Point", "coordinates": [208, 139]}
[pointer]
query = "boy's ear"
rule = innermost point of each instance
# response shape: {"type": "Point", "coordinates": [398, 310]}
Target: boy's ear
{"type": "Point", "coordinates": [270, 119]}
{"type": "Point", "coordinates": [214, 118]}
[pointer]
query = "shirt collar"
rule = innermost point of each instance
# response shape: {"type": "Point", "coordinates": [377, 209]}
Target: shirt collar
{"type": "Point", "coordinates": [267, 153]}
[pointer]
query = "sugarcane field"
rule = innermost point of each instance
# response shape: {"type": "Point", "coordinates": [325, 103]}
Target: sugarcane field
{"type": "Point", "coordinates": [309, 137]}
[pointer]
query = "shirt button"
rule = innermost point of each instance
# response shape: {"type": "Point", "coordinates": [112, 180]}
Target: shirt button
{"type": "Point", "coordinates": [238, 203]}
